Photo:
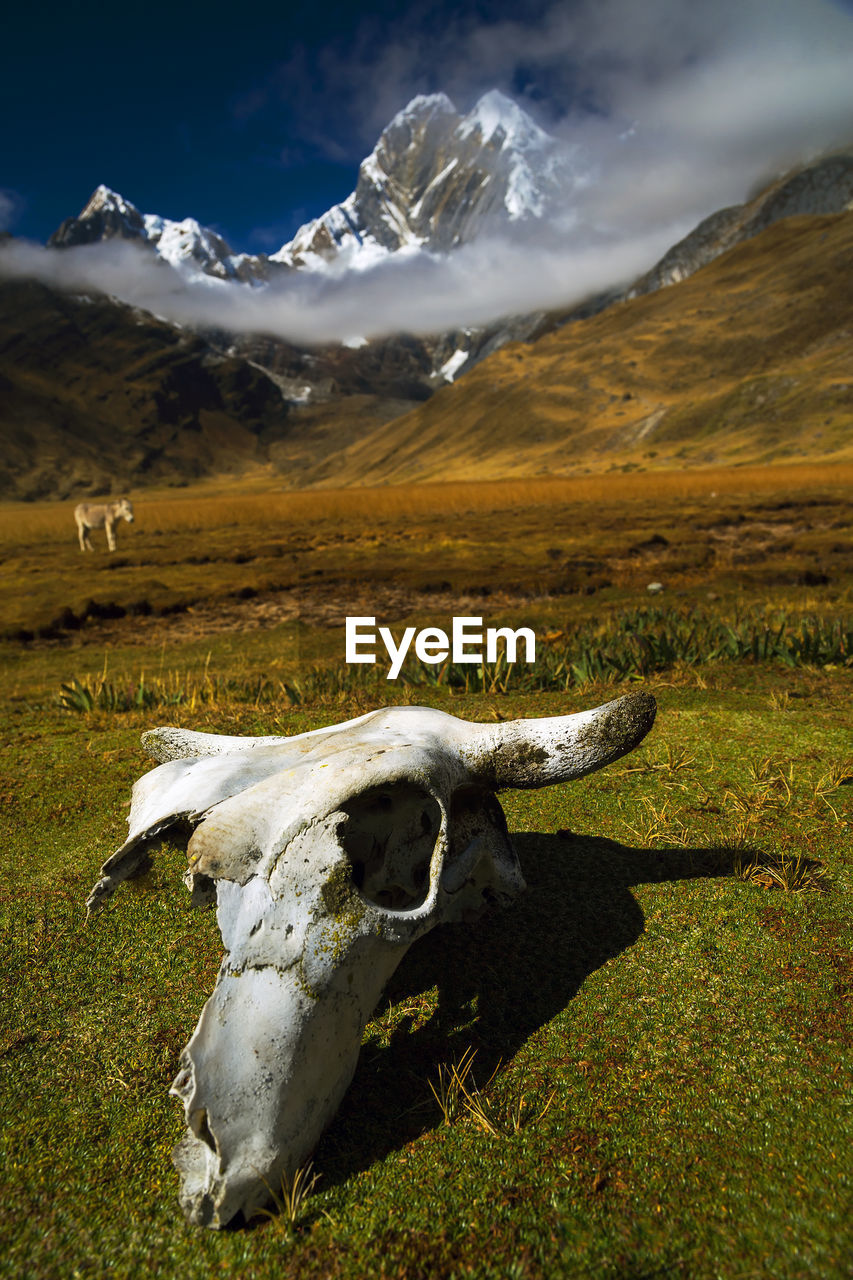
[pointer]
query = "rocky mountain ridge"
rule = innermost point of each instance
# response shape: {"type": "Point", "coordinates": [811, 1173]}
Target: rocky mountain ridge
{"type": "Point", "coordinates": [437, 179]}
{"type": "Point", "coordinates": [186, 246]}
{"type": "Point", "coordinates": [823, 187]}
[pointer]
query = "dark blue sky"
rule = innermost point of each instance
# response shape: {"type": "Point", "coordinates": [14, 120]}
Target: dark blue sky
{"type": "Point", "coordinates": [254, 119]}
{"type": "Point", "coordinates": [243, 117]}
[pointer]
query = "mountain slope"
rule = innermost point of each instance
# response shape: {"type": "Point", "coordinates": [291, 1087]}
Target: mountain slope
{"type": "Point", "coordinates": [747, 360]}
{"type": "Point", "coordinates": [824, 186]}
{"type": "Point", "coordinates": [97, 397]}
{"type": "Point", "coordinates": [436, 179]}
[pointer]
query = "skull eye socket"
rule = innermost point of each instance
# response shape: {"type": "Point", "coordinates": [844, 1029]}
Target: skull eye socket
{"type": "Point", "coordinates": [388, 836]}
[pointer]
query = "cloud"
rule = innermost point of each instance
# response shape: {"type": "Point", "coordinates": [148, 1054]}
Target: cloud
{"type": "Point", "coordinates": [415, 293]}
{"type": "Point", "coordinates": [569, 59]}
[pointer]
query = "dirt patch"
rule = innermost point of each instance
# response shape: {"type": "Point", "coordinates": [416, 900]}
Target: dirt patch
{"type": "Point", "coordinates": [322, 605]}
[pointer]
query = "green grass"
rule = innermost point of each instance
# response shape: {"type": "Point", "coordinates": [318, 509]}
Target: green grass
{"type": "Point", "coordinates": [628, 644]}
{"type": "Point", "coordinates": [688, 1018]}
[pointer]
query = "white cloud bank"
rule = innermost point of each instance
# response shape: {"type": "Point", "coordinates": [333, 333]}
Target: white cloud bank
{"type": "Point", "coordinates": [674, 110]}
{"type": "Point", "coordinates": [420, 293]}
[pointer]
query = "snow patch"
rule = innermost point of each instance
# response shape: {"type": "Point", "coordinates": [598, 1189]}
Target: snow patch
{"type": "Point", "coordinates": [448, 168]}
{"type": "Point", "coordinates": [452, 366]}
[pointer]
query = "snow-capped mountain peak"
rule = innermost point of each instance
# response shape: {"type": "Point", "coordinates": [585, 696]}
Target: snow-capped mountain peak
{"type": "Point", "coordinates": [103, 199]}
{"type": "Point", "coordinates": [185, 245]}
{"type": "Point", "coordinates": [187, 241]}
{"type": "Point", "coordinates": [423, 105]}
{"type": "Point", "coordinates": [437, 179]}
{"type": "Point", "coordinates": [106, 216]}
{"type": "Point", "coordinates": [496, 112]}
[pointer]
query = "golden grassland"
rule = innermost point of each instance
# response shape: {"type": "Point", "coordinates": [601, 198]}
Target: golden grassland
{"type": "Point", "coordinates": [249, 503]}
{"type": "Point", "coordinates": [264, 558]}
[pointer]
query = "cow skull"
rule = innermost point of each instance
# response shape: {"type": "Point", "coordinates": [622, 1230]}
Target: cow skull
{"type": "Point", "coordinates": [330, 853]}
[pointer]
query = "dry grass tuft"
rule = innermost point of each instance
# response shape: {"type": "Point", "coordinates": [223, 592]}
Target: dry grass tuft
{"type": "Point", "coordinates": [499, 1108]}
{"type": "Point", "coordinates": [292, 1197]}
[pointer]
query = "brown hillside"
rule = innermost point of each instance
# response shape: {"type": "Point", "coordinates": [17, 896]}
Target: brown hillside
{"type": "Point", "coordinates": [95, 397]}
{"type": "Point", "coordinates": [748, 360]}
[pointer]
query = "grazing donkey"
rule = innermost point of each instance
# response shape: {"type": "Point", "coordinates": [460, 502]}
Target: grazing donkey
{"type": "Point", "coordinates": [103, 515]}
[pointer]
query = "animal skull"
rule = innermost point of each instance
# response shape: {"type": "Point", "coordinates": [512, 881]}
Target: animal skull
{"type": "Point", "coordinates": [330, 853]}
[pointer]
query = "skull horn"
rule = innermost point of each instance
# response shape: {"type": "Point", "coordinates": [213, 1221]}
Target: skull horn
{"type": "Point", "coordinates": [539, 752]}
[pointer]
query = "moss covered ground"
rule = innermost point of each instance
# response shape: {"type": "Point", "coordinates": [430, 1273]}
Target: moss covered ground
{"type": "Point", "coordinates": [660, 1025]}
{"type": "Point", "coordinates": [686, 1013]}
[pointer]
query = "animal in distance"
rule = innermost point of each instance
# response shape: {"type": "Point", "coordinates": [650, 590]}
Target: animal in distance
{"type": "Point", "coordinates": [103, 515]}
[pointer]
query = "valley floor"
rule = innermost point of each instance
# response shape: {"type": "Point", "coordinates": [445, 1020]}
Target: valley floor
{"type": "Point", "coordinates": [198, 562]}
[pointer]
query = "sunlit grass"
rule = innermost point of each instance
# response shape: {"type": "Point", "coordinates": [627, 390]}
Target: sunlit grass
{"type": "Point", "coordinates": [207, 508]}
{"type": "Point", "coordinates": [660, 1020]}
{"type": "Point", "coordinates": [772, 536]}
{"type": "Point", "coordinates": [291, 1197]}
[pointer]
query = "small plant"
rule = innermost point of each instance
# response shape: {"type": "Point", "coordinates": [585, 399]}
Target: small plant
{"type": "Point", "coordinates": [451, 1083]}
{"type": "Point", "coordinates": [497, 1111]}
{"type": "Point", "coordinates": [771, 788]}
{"type": "Point", "coordinates": [839, 775]}
{"type": "Point", "coordinates": [794, 874]}
{"type": "Point", "coordinates": [295, 1191]}
{"type": "Point", "coordinates": [291, 691]}
{"type": "Point", "coordinates": [478, 1105]}
{"type": "Point", "coordinates": [505, 1111]}
{"type": "Point", "coordinates": [658, 825]}
{"type": "Point", "coordinates": [674, 761]}
{"type": "Point", "coordinates": [788, 872]}
{"type": "Point", "coordinates": [745, 863]}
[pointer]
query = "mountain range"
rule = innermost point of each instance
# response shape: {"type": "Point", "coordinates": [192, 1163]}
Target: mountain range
{"type": "Point", "coordinates": [435, 180]}
{"type": "Point", "coordinates": [131, 399]}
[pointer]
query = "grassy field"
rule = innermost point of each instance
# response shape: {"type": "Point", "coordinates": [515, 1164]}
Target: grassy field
{"type": "Point", "coordinates": [667, 1008]}
{"type": "Point", "coordinates": [216, 558]}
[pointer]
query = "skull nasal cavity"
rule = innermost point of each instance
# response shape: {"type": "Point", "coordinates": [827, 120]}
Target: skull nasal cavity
{"type": "Point", "coordinates": [388, 837]}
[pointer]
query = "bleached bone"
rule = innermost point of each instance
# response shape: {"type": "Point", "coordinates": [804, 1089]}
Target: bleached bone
{"type": "Point", "coordinates": [330, 853]}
